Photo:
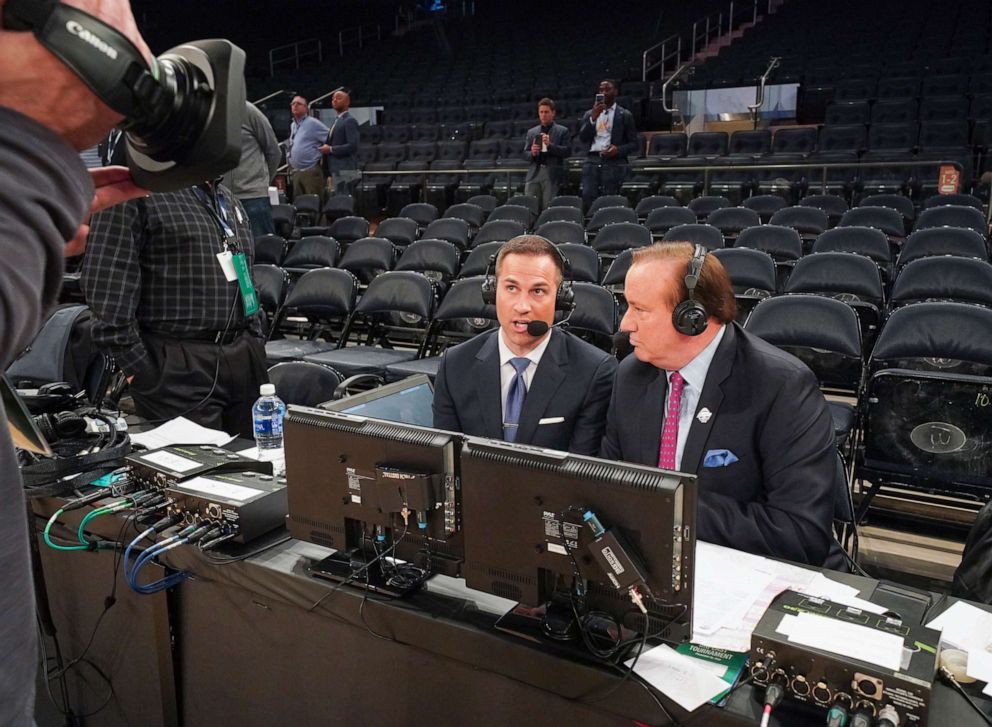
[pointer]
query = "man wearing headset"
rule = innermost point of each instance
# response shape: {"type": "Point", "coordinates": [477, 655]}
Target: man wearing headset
{"type": "Point", "coordinates": [47, 114]}
{"type": "Point", "coordinates": [703, 396]}
{"type": "Point", "coordinates": [526, 381]}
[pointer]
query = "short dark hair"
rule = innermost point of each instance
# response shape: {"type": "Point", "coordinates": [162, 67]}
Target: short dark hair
{"type": "Point", "coordinates": [611, 82]}
{"type": "Point", "coordinates": [714, 289]}
{"type": "Point", "coordinates": [547, 102]}
{"type": "Point", "coordinates": [301, 97]}
{"type": "Point", "coordinates": [530, 245]}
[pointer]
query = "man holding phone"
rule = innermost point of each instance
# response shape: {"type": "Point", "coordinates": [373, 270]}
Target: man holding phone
{"type": "Point", "coordinates": [546, 147]}
{"type": "Point", "coordinates": [609, 130]}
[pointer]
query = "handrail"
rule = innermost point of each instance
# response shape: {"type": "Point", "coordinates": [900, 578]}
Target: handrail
{"type": "Point", "coordinates": [310, 46]}
{"type": "Point", "coordinates": [664, 88]}
{"type": "Point", "coordinates": [759, 93]}
{"type": "Point", "coordinates": [271, 95]}
{"type": "Point", "coordinates": [360, 37]}
{"type": "Point", "coordinates": [663, 56]}
{"type": "Point", "coordinates": [322, 97]}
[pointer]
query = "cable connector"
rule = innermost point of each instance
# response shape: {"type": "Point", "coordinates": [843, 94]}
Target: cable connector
{"type": "Point", "coordinates": [888, 716]}
{"type": "Point", "coordinates": [405, 514]}
{"type": "Point", "coordinates": [774, 693]}
{"type": "Point", "coordinates": [638, 599]}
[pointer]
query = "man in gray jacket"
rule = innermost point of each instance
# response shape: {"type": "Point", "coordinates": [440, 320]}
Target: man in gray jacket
{"type": "Point", "coordinates": [249, 181]}
{"type": "Point", "coordinates": [47, 114]}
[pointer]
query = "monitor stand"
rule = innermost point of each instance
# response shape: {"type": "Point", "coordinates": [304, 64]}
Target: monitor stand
{"type": "Point", "coordinates": [553, 626]}
{"type": "Point", "coordinates": [343, 565]}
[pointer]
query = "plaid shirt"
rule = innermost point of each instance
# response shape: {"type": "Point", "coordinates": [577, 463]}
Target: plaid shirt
{"type": "Point", "coordinates": [151, 265]}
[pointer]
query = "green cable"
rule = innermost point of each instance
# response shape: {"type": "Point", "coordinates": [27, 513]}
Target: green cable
{"type": "Point", "coordinates": [56, 546]}
{"type": "Point", "coordinates": [93, 514]}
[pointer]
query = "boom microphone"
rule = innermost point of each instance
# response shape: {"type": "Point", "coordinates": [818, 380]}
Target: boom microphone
{"type": "Point", "coordinates": [621, 344]}
{"type": "Point", "coordinates": [537, 328]}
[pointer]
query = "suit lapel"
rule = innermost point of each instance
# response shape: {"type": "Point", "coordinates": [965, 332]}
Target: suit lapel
{"type": "Point", "coordinates": [616, 134]}
{"type": "Point", "coordinates": [485, 371]}
{"type": "Point", "coordinates": [653, 400]}
{"type": "Point", "coordinates": [712, 397]}
{"type": "Point", "coordinates": [549, 376]}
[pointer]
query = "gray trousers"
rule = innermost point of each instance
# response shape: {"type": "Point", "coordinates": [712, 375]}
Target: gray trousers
{"type": "Point", "coordinates": [542, 187]}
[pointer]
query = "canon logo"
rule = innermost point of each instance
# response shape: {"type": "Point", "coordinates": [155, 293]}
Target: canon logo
{"type": "Point", "coordinates": [94, 40]}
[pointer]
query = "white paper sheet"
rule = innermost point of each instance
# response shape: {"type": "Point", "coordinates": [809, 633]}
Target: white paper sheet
{"type": "Point", "coordinates": [276, 456]}
{"type": "Point", "coordinates": [840, 637]}
{"type": "Point", "coordinates": [980, 665]}
{"type": "Point", "coordinates": [777, 577]}
{"type": "Point", "coordinates": [837, 592]}
{"type": "Point", "coordinates": [964, 626]}
{"type": "Point", "coordinates": [678, 677]}
{"type": "Point", "coordinates": [181, 431]}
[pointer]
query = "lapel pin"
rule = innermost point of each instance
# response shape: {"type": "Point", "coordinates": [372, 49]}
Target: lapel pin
{"type": "Point", "coordinates": [704, 415]}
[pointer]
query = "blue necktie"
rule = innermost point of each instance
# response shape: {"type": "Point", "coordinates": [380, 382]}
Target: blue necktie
{"type": "Point", "coordinates": [515, 399]}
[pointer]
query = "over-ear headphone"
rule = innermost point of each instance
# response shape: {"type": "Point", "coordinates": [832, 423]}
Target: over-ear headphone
{"type": "Point", "coordinates": [564, 296]}
{"type": "Point", "coordinates": [689, 316]}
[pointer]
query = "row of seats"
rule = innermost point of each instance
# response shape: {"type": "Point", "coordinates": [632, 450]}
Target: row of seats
{"type": "Point", "coordinates": [429, 168]}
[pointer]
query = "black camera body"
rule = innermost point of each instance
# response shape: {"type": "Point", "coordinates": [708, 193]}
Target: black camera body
{"type": "Point", "coordinates": [198, 136]}
{"type": "Point", "coordinates": [182, 113]}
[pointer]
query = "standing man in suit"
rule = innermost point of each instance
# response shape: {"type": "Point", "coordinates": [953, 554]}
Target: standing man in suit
{"type": "Point", "coordinates": [341, 147]}
{"type": "Point", "coordinates": [526, 381]}
{"type": "Point", "coordinates": [609, 130]}
{"type": "Point", "coordinates": [546, 147]}
{"type": "Point", "coordinates": [303, 151]}
{"type": "Point", "coordinates": [703, 396]}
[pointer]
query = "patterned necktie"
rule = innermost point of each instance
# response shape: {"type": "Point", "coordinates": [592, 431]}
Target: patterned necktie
{"type": "Point", "coordinates": [670, 434]}
{"type": "Point", "coordinates": [515, 399]}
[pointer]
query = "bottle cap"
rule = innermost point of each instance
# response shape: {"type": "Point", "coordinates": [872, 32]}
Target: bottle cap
{"type": "Point", "coordinates": [267, 389]}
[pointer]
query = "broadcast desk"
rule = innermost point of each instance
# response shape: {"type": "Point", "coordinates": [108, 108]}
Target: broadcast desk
{"type": "Point", "coordinates": [242, 643]}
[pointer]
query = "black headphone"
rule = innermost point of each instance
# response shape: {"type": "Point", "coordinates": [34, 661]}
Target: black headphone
{"type": "Point", "coordinates": [564, 296]}
{"type": "Point", "coordinates": [689, 316]}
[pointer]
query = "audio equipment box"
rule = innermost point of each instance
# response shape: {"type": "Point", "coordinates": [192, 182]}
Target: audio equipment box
{"type": "Point", "coordinates": [168, 466]}
{"type": "Point", "coordinates": [245, 505]}
{"type": "Point", "coordinates": [826, 654]}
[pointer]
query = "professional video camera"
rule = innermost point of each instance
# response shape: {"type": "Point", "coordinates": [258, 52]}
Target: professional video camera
{"type": "Point", "coordinates": [182, 114]}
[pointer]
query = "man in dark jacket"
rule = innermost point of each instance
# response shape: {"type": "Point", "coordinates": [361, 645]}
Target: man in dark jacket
{"type": "Point", "coordinates": [609, 130]}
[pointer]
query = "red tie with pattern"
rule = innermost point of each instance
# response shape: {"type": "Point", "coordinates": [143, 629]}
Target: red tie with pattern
{"type": "Point", "coordinates": [670, 434]}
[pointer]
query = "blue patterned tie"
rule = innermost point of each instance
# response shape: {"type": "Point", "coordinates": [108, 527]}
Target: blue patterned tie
{"type": "Point", "coordinates": [515, 399]}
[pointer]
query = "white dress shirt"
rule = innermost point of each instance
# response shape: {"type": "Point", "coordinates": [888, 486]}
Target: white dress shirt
{"type": "Point", "coordinates": [506, 370]}
{"type": "Point", "coordinates": [694, 376]}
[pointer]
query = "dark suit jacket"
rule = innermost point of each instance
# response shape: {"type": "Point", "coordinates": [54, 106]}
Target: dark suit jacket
{"type": "Point", "coordinates": [559, 147]}
{"type": "Point", "coordinates": [767, 409]}
{"type": "Point", "coordinates": [343, 140]}
{"type": "Point", "coordinates": [573, 381]}
{"type": "Point", "coordinates": [623, 136]}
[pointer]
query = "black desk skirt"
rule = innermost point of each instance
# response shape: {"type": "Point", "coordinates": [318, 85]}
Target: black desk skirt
{"type": "Point", "coordinates": [241, 644]}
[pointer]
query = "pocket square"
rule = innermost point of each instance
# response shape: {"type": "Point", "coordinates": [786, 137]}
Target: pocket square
{"type": "Point", "coordinates": [551, 420]}
{"type": "Point", "coordinates": [719, 458]}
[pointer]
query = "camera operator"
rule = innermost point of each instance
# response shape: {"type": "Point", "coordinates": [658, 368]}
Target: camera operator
{"type": "Point", "coordinates": [47, 114]}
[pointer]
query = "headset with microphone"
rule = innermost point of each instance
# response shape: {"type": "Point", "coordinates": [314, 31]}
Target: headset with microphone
{"type": "Point", "coordinates": [182, 112]}
{"type": "Point", "coordinates": [564, 296]}
{"type": "Point", "coordinates": [690, 317]}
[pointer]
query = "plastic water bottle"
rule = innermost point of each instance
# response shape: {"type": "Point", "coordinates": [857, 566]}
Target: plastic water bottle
{"type": "Point", "coordinates": [267, 414]}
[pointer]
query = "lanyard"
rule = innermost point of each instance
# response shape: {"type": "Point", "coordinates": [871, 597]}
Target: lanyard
{"type": "Point", "coordinates": [217, 207]}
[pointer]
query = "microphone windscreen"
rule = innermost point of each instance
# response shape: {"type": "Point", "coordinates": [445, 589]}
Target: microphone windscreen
{"type": "Point", "coordinates": [621, 342]}
{"type": "Point", "coordinates": [537, 328]}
